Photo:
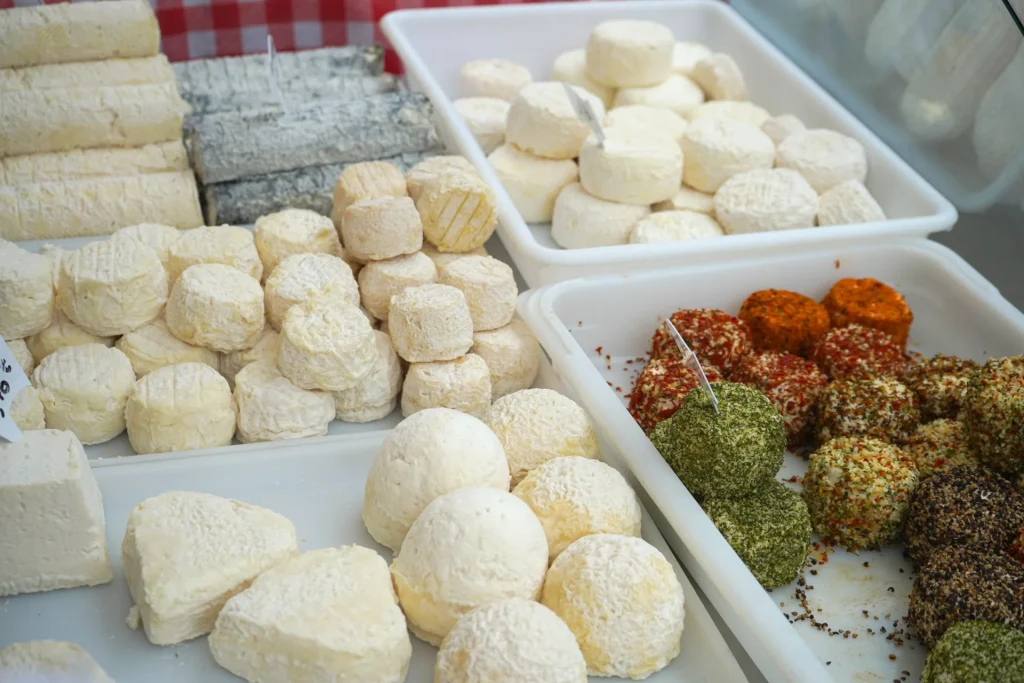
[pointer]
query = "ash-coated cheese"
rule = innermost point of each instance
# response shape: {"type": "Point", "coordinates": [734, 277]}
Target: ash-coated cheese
{"type": "Point", "coordinates": [219, 546]}
{"type": "Point", "coordinates": [84, 390]}
{"type": "Point", "coordinates": [300, 277]}
{"type": "Point", "coordinates": [780, 127]}
{"type": "Point", "coordinates": [532, 182]}
{"type": "Point", "coordinates": [721, 78]}
{"type": "Point", "coordinates": [26, 292]}
{"type": "Point", "coordinates": [686, 55]}
{"type": "Point", "coordinates": [430, 171]}
{"type": "Point", "coordinates": [53, 529]}
{"type": "Point", "coordinates": [458, 212]}
{"type": "Point", "coordinates": [376, 396]}
{"type": "Point", "coordinates": [510, 640]}
{"type": "Point", "coordinates": [765, 200]}
{"type": "Point", "coordinates": [294, 231]}
{"type": "Point", "coordinates": [536, 425]}
{"type": "Point", "coordinates": [442, 259]}
{"type": "Point", "coordinates": [463, 384]}
{"type": "Point", "coordinates": [381, 280]}
{"type": "Point", "coordinates": [499, 78]}
{"type": "Point", "coordinates": [485, 117]}
{"type": "Point", "coordinates": [824, 158]}
{"type": "Point", "coordinates": [512, 355]}
{"type": "Point", "coordinates": [676, 93]}
{"type": "Point", "coordinates": [267, 347]}
{"type": "Point", "coordinates": [382, 228]}
{"type": "Point", "coordinates": [645, 118]}
{"type": "Point", "coordinates": [593, 586]}
{"type": "Point", "coordinates": [716, 149]}
{"type": "Point", "coordinates": [216, 306]}
{"type": "Point", "coordinates": [278, 630]}
{"type": "Point", "coordinates": [742, 111]}
{"type": "Point", "coordinates": [272, 408]}
{"type": "Point", "coordinates": [469, 547]}
{"type": "Point", "coordinates": [542, 120]}
{"type": "Point", "coordinates": [227, 244]}
{"type": "Point", "coordinates": [62, 332]}
{"type": "Point", "coordinates": [49, 660]}
{"type": "Point", "coordinates": [632, 167]}
{"type": "Point", "coordinates": [157, 237]}
{"type": "Point", "coordinates": [629, 53]}
{"type": "Point", "coordinates": [428, 454]}
{"type": "Point", "coordinates": [180, 407]}
{"type": "Point", "coordinates": [326, 344]}
{"type": "Point", "coordinates": [430, 323]}
{"type": "Point", "coordinates": [490, 289]}
{"type": "Point", "coordinates": [571, 67]}
{"type": "Point", "coordinates": [582, 220]}
{"type": "Point", "coordinates": [366, 180]}
{"type": "Point", "coordinates": [688, 199]}
{"type": "Point", "coordinates": [23, 355]}
{"type": "Point", "coordinates": [846, 203]}
{"type": "Point", "coordinates": [154, 346]}
{"type": "Point", "coordinates": [27, 410]}
{"type": "Point", "coordinates": [674, 226]}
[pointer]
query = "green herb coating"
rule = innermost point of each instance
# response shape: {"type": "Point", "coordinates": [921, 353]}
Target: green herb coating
{"type": "Point", "coordinates": [977, 651]}
{"type": "Point", "coordinates": [993, 411]}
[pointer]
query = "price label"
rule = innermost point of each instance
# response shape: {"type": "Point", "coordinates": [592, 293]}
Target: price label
{"type": "Point", "coordinates": [12, 380]}
{"type": "Point", "coordinates": [691, 362]}
{"type": "Point", "coordinates": [585, 113]}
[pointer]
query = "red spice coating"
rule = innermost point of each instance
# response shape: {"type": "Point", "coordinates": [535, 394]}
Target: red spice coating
{"type": "Point", "coordinates": [939, 445]}
{"type": "Point", "coordinates": [940, 384]}
{"type": "Point", "coordinates": [870, 303]}
{"type": "Point", "coordinates": [858, 351]}
{"type": "Point", "coordinates": [793, 385]}
{"type": "Point", "coordinates": [716, 337]}
{"type": "Point", "coordinates": [660, 389]}
{"type": "Point", "coordinates": [879, 408]}
{"type": "Point", "coordinates": [785, 321]}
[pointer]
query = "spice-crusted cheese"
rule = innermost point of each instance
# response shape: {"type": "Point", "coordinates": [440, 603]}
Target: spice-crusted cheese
{"type": "Point", "coordinates": [49, 658]}
{"type": "Point", "coordinates": [676, 93]}
{"type": "Point", "coordinates": [878, 407]}
{"type": "Point", "coordinates": [661, 388]}
{"type": "Point", "coordinates": [581, 220]}
{"type": "Point", "coordinates": [300, 277]}
{"type": "Point", "coordinates": [532, 182]}
{"type": "Point", "coordinates": [381, 280]}
{"type": "Point", "coordinates": [512, 355]}
{"type": "Point", "coordinates": [542, 120]}
{"type": "Point", "coordinates": [629, 53]}
{"type": "Point", "coordinates": [326, 344]}
{"type": "Point", "coordinates": [430, 323]}
{"type": "Point", "coordinates": [485, 117]}
{"type": "Point", "coordinates": [375, 397]}
{"type": "Point", "coordinates": [571, 67]}
{"type": "Point", "coordinates": [498, 78]}
{"type": "Point", "coordinates": [992, 410]}
{"type": "Point", "coordinates": [26, 292]}
{"type": "Point", "coordinates": [216, 306]}
{"type": "Point", "coordinates": [463, 384]}
{"type": "Point", "coordinates": [631, 167]}
{"type": "Point", "coordinates": [764, 200]}
{"type": "Point", "coordinates": [674, 226]}
{"type": "Point", "coordinates": [717, 149]}
{"type": "Point", "coordinates": [272, 408]}
{"type": "Point", "coordinates": [294, 231]}
{"type": "Point", "coordinates": [940, 383]}
{"type": "Point", "coordinates": [227, 244]}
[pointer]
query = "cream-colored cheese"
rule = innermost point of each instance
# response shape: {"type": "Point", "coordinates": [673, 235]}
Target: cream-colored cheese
{"type": "Point", "coordinates": [22, 354]}
{"type": "Point", "coordinates": [532, 182]}
{"type": "Point", "coordinates": [458, 211]}
{"type": "Point", "coordinates": [582, 220]}
{"type": "Point", "coordinates": [674, 226]}
{"type": "Point", "coordinates": [272, 408]}
{"type": "Point", "coordinates": [105, 162]}
{"type": "Point", "coordinates": [512, 355]}
{"type": "Point", "coordinates": [382, 228]}
{"type": "Point", "coordinates": [154, 346]}
{"type": "Point", "coordinates": [217, 307]}
{"type": "Point", "coordinates": [375, 397]}
{"type": "Point", "coordinates": [442, 259]}
{"type": "Point", "coordinates": [463, 384]}
{"type": "Point", "coordinates": [27, 410]}
{"type": "Point", "coordinates": [268, 344]}
{"type": "Point", "coordinates": [846, 203]}
{"type": "Point", "coordinates": [686, 55]}
{"type": "Point", "coordinates": [227, 244]}
{"type": "Point", "coordinates": [294, 231]}
{"type": "Point", "coordinates": [55, 255]}
{"type": "Point", "coordinates": [632, 167]}
{"type": "Point", "coordinates": [62, 332]}
{"type": "Point", "coordinates": [645, 118]}
{"type": "Point", "coordinates": [326, 344]}
{"type": "Point", "coordinates": [366, 180]}
{"type": "Point", "coordinates": [430, 170]}
{"type": "Point", "coordinates": [381, 280]}
{"type": "Point", "coordinates": [676, 93]}
{"type": "Point", "coordinates": [778, 128]}
{"type": "Point", "coordinates": [571, 67]}
{"type": "Point", "coordinates": [499, 78]}
{"type": "Point", "coordinates": [157, 237]}
{"type": "Point", "coordinates": [629, 53]}
{"type": "Point", "coordinates": [824, 158]}
{"type": "Point", "coordinates": [485, 117]}
{"type": "Point", "coordinates": [765, 200]}
{"type": "Point", "coordinates": [87, 74]}
{"type": "Point", "coordinates": [720, 77]}
{"type": "Point", "coordinates": [301, 277]}
{"type": "Point", "coordinates": [741, 111]}
{"type": "Point", "coordinates": [26, 292]}
{"type": "Point", "coordinates": [716, 149]}
{"type": "Point", "coordinates": [542, 120]}
{"type": "Point", "coordinates": [490, 289]}
{"type": "Point", "coordinates": [50, 660]}
{"type": "Point", "coordinates": [430, 323]}
{"type": "Point", "coordinates": [688, 199]}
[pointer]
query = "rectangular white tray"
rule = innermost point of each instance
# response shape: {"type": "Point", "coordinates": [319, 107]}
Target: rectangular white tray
{"type": "Point", "coordinates": [955, 312]}
{"type": "Point", "coordinates": [435, 43]}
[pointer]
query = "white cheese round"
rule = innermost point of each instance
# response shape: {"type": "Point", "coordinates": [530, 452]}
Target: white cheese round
{"type": "Point", "coordinates": [50, 660]}
{"type": "Point", "coordinates": [425, 456]}
{"type": "Point", "coordinates": [302, 276]}
{"type": "Point", "coordinates": [381, 280]}
{"type": "Point", "coordinates": [846, 203]}
{"type": "Point", "coordinates": [153, 346]}
{"type": "Point", "coordinates": [268, 344]}
{"type": "Point", "coordinates": [27, 410]}
{"type": "Point", "coordinates": [688, 199]}
{"type": "Point", "coordinates": [675, 226]}
{"type": "Point", "coordinates": [366, 180]}
{"type": "Point", "coordinates": [490, 289]}
{"type": "Point", "coordinates": [430, 323]}
{"type": "Point", "coordinates": [375, 397]}
{"type": "Point", "coordinates": [765, 200]}
{"type": "Point", "coordinates": [326, 344]}
{"type": "Point", "coordinates": [62, 332]}
{"type": "Point", "coordinates": [226, 244]}
{"type": "Point", "coordinates": [571, 67]}
{"type": "Point", "coordinates": [157, 237]}
{"type": "Point", "coordinates": [382, 228]}
{"type": "Point", "coordinates": [676, 93]}
{"type": "Point", "coordinates": [716, 149]}
{"type": "Point", "coordinates": [463, 384]}
{"type": "Point", "coordinates": [582, 220]}
{"type": "Point", "coordinates": [458, 211]}
{"type": "Point", "coordinates": [23, 355]}
{"type": "Point", "coordinates": [531, 181]}
{"type": "Point", "coordinates": [824, 158]}
{"type": "Point", "coordinates": [216, 306]}
{"type": "Point", "coordinates": [498, 78]}
{"type": "Point", "coordinates": [294, 231]}
{"type": "Point", "coordinates": [542, 120]}
{"type": "Point", "coordinates": [720, 77]}
{"type": "Point", "coordinates": [271, 408]}
{"type": "Point", "coordinates": [742, 111]}
{"type": "Point", "coordinates": [632, 167]}
{"type": "Point", "coordinates": [645, 118]}
{"type": "Point", "coordinates": [629, 53]}
{"type": "Point", "coordinates": [485, 117]}
{"type": "Point", "coordinates": [442, 259]}
{"type": "Point", "coordinates": [512, 355]}
{"type": "Point", "coordinates": [778, 128]}
{"type": "Point", "coordinates": [430, 170]}
{"type": "Point", "coordinates": [686, 54]}
{"type": "Point", "coordinates": [469, 547]}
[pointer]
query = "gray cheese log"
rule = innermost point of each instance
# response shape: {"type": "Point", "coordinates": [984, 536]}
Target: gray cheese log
{"type": "Point", "coordinates": [241, 202]}
{"type": "Point", "coordinates": [230, 146]}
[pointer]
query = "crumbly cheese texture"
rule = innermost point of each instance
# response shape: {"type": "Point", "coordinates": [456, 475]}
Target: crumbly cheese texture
{"type": "Point", "coordinates": [51, 660]}
{"type": "Point", "coordinates": [381, 280]}
{"type": "Point", "coordinates": [686, 54]}
{"type": "Point", "coordinates": [536, 425]}
{"type": "Point", "coordinates": [581, 220]}
{"type": "Point", "coordinates": [301, 277]}
{"type": "Point", "coordinates": [632, 167]}
{"type": "Point", "coordinates": [824, 158]}
{"type": "Point", "coordinates": [490, 289]}
{"type": "Point", "coordinates": [509, 641]}
{"type": "Point", "coordinates": [153, 346]}
{"type": "Point", "coordinates": [23, 355]}
{"type": "Point", "coordinates": [721, 78]}
{"type": "Point", "coordinates": [226, 244]}
{"type": "Point", "coordinates": [688, 199]}
{"type": "Point", "coordinates": [62, 332]}
{"type": "Point", "coordinates": [442, 259]}
{"type": "Point", "coordinates": [84, 390]}
{"type": "Point", "coordinates": [676, 93]}
{"type": "Point", "coordinates": [327, 615]}
{"type": "Point", "coordinates": [743, 112]}
{"type": "Point", "coordinates": [366, 180]}
{"type": "Point", "coordinates": [629, 53]}
{"type": "Point", "coordinates": [294, 231]}
{"type": "Point", "coordinates": [105, 162]}
{"type": "Point", "coordinates": [674, 226]}
{"type": "Point", "coordinates": [485, 117]}
{"type": "Point", "coordinates": [375, 397]}
{"type": "Point", "coordinates": [430, 170]}
{"type": "Point", "coordinates": [55, 255]}
{"type": "Point", "coordinates": [84, 74]}
{"type": "Point", "coordinates": [430, 323]}
{"type": "Point", "coordinates": [647, 117]}
{"type": "Point", "coordinates": [846, 203]}
{"type": "Point", "coordinates": [765, 200]}
{"type": "Point", "coordinates": [498, 78]}
{"type": "Point", "coordinates": [458, 211]}
{"type": "Point", "coordinates": [217, 307]}
{"type": "Point", "coordinates": [778, 128]}
{"type": "Point", "coordinates": [219, 546]}
{"type": "Point", "coordinates": [593, 586]}
{"type": "Point", "coordinates": [428, 454]}
{"type": "Point", "coordinates": [53, 516]}
{"type": "Point", "coordinates": [542, 120]}
{"type": "Point", "coordinates": [571, 67]}
{"type": "Point", "coordinates": [156, 236]}
{"type": "Point", "coordinates": [268, 344]}
{"type": "Point", "coordinates": [532, 182]}
{"type": "Point", "coordinates": [27, 410]}
{"type": "Point", "coordinates": [272, 408]}
{"type": "Point", "coordinates": [326, 344]}
{"type": "Point", "coordinates": [512, 355]}
{"type": "Point", "coordinates": [469, 547]}
{"type": "Point", "coordinates": [716, 149]}
{"type": "Point", "coordinates": [381, 228]}
{"type": "Point", "coordinates": [463, 384]}
{"type": "Point", "coordinates": [26, 292]}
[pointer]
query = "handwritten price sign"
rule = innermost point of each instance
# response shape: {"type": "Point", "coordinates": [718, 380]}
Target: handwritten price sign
{"type": "Point", "coordinates": [12, 380]}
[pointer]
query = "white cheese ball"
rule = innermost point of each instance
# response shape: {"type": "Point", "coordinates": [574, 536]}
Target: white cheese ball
{"type": "Point", "coordinates": [463, 384]}
{"type": "Point", "coordinates": [180, 408]}
{"type": "Point", "coordinates": [430, 170]}
{"type": "Point", "coordinates": [721, 78]}
{"type": "Point", "coordinates": [628, 53]}
{"type": "Point", "coordinates": [490, 289]}
{"type": "Point", "coordinates": [632, 167]}
{"type": "Point", "coordinates": [512, 355]}
{"type": "Point", "coordinates": [510, 641]}
{"type": "Point", "coordinates": [743, 112]}
{"type": "Point", "coordinates": [268, 344]}
{"type": "Point", "coordinates": [469, 547]}
{"type": "Point", "coordinates": [542, 121]}
{"type": "Point", "coordinates": [582, 220]}
{"type": "Point", "coordinates": [676, 93]}
{"type": "Point", "coordinates": [442, 259]}
{"type": "Point", "coordinates": [593, 586]}
{"type": "Point", "coordinates": [430, 323]}
{"type": "Point", "coordinates": [154, 346]}
{"type": "Point", "coordinates": [824, 158]}
{"type": "Point", "coordinates": [26, 292]}
{"type": "Point", "coordinates": [428, 454]}
{"type": "Point", "coordinates": [382, 228]}
{"type": "Point", "coordinates": [571, 67]}
{"type": "Point", "coordinates": [688, 199]}
{"type": "Point", "coordinates": [536, 425]}
{"type": "Point", "coordinates": [381, 280]}
{"type": "Point", "coordinates": [765, 200]}
{"type": "Point", "coordinates": [23, 355]}
{"type": "Point", "coordinates": [271, 408]}
{"type": "Point", "coordinates": [225, 244]}
{"type": "Point", "coordinates": [366, 180]}
{"type": "Point", "coordinates": [111, 287]}
{"type": "Point", "coordinates": [498, 78]}
{"type": "Point", "coordinates": [485, 117]}
{"type": "Point", "coordinates": [532, 182]}
{"type": "Point", "coordinates": [778, 128]}
{"type": "Point", "coordinates": [716, 149]}
{"type": "Point", "coordinates": [675, 226]}
{"type": "Point", "coordinates": [294, 231]}
{"type": "Point", "coordinates": [376, 396]}
{"type": "Point", "coordinates": [216, 306]}
{"type": "Point", "coordinates": [326, 344]}
{"type": "Point", "coordinates": [458, 211]}
{"type": "Point", "coordinates": [686, 55]}
{"type": "Point", "coordinates": [84, 390]}
{"type": "Point", "coordinates": [575, 497]}
{"type": "Point", "coordinates": [157, 237]}
{"type": "Point", "coordinates": [645, 118]}
{"type": "Point", "coordinates": [62, 332]}
{"type": "Point", "coordinates": [27, 410]}
{"type": "Point", "coordinates": [301, 277]}
{"type": "Point", "coordinates": [846, 203]}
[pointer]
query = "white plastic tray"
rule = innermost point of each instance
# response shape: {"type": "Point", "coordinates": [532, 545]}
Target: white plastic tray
{"type": "Point", "coordinates": [434, 44]}
{"type": "Point", "coordinates": [955, 312]}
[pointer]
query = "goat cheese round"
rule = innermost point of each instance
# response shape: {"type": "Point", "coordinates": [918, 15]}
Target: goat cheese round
{"type": "Point", "coordinates": [430, 170]}
{"type": "Point", "coordinates": [50, 660]}
{"type": "Point", "coordinates": [686, 54]}
{"type": "Point", "coordinates": [302, 276]}
{"type": "Point", "coordinates": [365, 180]}
{"type": "Point", "coordinates": [688, 199]}
{"type": "Point", "coordinates": [442, 259]}
{"type": "Point", "coordinates": [629, 53]}
{"type": "Point", "coordinates": [512, 355]}
{"type": "Point", "coordinates": [294, 231]}
{"type": "Point", "coordinates": [26, 292]}
{"type": "Point", "coordinates": [60, 333]}
{"type": "Point", "coordinates": [645, 118]}
{"type": "Point", "coordinates": [84, 390]}
{"type": "Point", "coordinates": [225, 244]}
{"type": "Point", "coordinates": [846, 203]}
{"type": "Point", "coordinates": [272, 408]}
{"type": "Point", "coordinates": [463, 384]}
{"type": "Point", "coordinates": [632, 167]}
{"type": "Point", "coordinates": [375, 397]}
{"type": "Point", "coordinates": [498, 78]}
{"type": "Point", "coordinates": [485, 117]}
{"type": "Point", "coordinates": [536, 425]}
{"type": "Point", "coordinates": [674, 226]}
{"type": "Point", "coordinates": [780, 127]}
{"type": "Point", "coordinates": [676, 94]}
{"type": "Point", "coordinates": [23, 355]}
{"type": "Point", "coordinates": [720, 77]}
{"type": "Point", "coordinates": [469, 547]}
{"type": "Point", "coordinates": [532, 182]}
{"type": "Point", "coordinates": [430, 323]}
{"type": "Point", "coordinates": [216, 306]}
{"type": "Point", "coordinates": [458, 211]}
{"type": "Point", "coordinates": [510, 641]}
{"type": "Point", "coordinates": [571, 67]}
{"type": "Point", "coordinates": [582, 220]}
{"type": "Point", "coordinates": [180, 408]}
{"type": "Point", "coordinates": [742, 112]}
{"type": "Point", "coordinates": [153, 346]}
{"type": "Point", "coordinates": [824, 158]}
{"type": "Point", "coordinates": [382, 228]}
{"type": "Point", "coordinates": [716, 149]}
{"type": "Point", "coordinates": [268, 344]}
{"type": "Point", "coordinates": [326, 344]}
{"type": "Point", "coordinates": [593, 586]}
{"type": "Point", "coordinates": [27, 410]}
{"type": "Point", "coordinates": [157, 237]}
{"type": "Point", "coordinates": [542, 121]}
{"type": "Point", "coordinates": [490, 289]}
{"type": "Point", "coordinates": [764, 200]}
{"type": "Point", "coordinates": [381, 280]}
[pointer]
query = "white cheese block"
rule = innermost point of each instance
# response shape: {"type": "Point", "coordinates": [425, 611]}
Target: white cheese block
{"type": "Point", "coordinates": [300, 277]}
{"type": "Point", "coordinates": [458, 212]}
{"type": "Point", "coordinates": [157, 237]}
{"type": "Point", "coordinates": [382, 228]}
{"type": "Point", "coordinates": [721, 78]}
{"type": "Point", "coordinates": [76, 164]}
{"type": "Point", "coordinates": [84, 390]}
{"type": "Point", "coordinates": [499, 78]}
{"type": "Point", "coordinates": [463, 384]}
{"type": "Point", "coordinates": [501, 551]}
{"type": "Point", "coordinates": [365, 180]}
{"type": "Point", "coordinates": [676, 93]}
{"type": "Point", "coordinates": [375, 397]}
{"type": "Point", "coordinates": [272, 408]}
{"type": "Point", "coordinates": [765, 200]}
{"type": "Point", "coordinates": [27, 410]}
{"type": "Point", "coordinates": [778, 128]}
{"type": "Point", "coordinates": [632, 167]}
{"type": "Point", "coordinates": [688, 199]}
{"type": "Point", "coordinates": [50, 660]}
{"type": "Point", "coordinates": [267, 347]}
{"type": "Point", "coordinates": [227, 244]}
{"type": "Point", "coordinates": [490, 289]}
{"type": "Point", "coordinates": [686, 55]}
{"type": "Point", "coordinates": [593, 586]}
{"type": "Point", "coordinates": [294, 231]}
{"type": "Point", "coordinates": [531, 181]}
{"type": "Point", "coordinates": [998, 138]}
{"type": "Point", "coordinates": [485, 117]}
{"type": "Point", "coordinates": [824, 158]}
{"type": "Point", "coordinates": [571, 67]}
{"type": "Point", "coordinates": [582, 220]}
{"type": "Point", "coordinates": [535, 425]}
{"type": "Point", "coordinates": [107, 72]}
{"type": "Point", "coordinates": [62, 332]}
{"type": "Point", "coordinates": [510, 640]}
{"type": "Point", "coordinates": [430, 323]}
{"type": "Point", "coordinates": [23, 355]}
{"type": "Point", "coordinates": [381, 280]}
{"type": "Point", "coordinates": [542, 120]}
{"type": "Point", "coordinates": [742, 111]}
{"type": "Point", "coordinates": [326, 344]}
{"type": "Point", "coordinates": [903, 33]}
{"type": "Point", "coordinates": [442, 259]}
{"type": "Point", "coordinates": [430, 171]}
{"type": "Point", "coordinates": [512, 355]}
{"type": "Point", "coordinates": [716, 149]}
{"type": "Point", "coordinates": [275, 630]}
{"type": "Point", "coordinates": [217, 307]}
{"type": "Point", "coordinates": [674, 226]}
{"type": "Point", "coordinates": [153, 346]}
{"type": "Point", "coordinates": [645, 118]}
{"type": "Point", "coordinates": [53, 526]}
{"type": "Point", "coordinates": [220, 546]}
{"type": "Point", "coordinates": [628, 53]}
{"type": "Point", "coordinates": [26, 292]}
{"type": "Point", "coordinates": [846, 203]}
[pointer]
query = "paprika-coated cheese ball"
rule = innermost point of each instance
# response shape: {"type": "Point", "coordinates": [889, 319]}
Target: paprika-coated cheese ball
{"type": "Point", "coordinates": [785, 321]}
{"type": "Point", "coordinates": [870, 303]}
{"type": "Point", "coordinates": [716, 337]}
{"type": "Point", "coordinates": [660, 389]}
{"type": "Point", "coordinates": [858, 351]}
{"type": "Point", "coordinates": [793, 384]}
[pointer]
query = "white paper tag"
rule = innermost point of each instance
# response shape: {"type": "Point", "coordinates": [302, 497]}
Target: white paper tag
{"type": "Point", "coordinates": [12, 380]}
{"type": "Point", "coordinates": [691, 362]}
{"type": "Point", "coordinates": [585, 113]}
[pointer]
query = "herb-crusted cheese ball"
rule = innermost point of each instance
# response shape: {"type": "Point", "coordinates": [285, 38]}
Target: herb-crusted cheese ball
{"type": "Point", "coordinates": [716, 337]}
{"type": "Point", "coordinates": [858, 490]}
{"type": "Point", "coordinates": [994, 413]}
{"type": "Point", "coordinates": [791, 383]}
{"type": "Point", "coordinates": [940, 445]}
{"type": "Point", "coordinates": [858, 351]}
{"type": "Point", "coordinates": [940, 384]}
{"type": "Point", "coordinates": [661, 388]}
{"type": "Point", "coordinates": [976, 651]}
{"type": "Point", "coordinates": [880, 408]}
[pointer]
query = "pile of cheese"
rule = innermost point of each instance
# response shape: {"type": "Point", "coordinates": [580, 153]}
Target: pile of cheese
{"type": "Point", "coordinates": [685, 154]}
{"type": "Point", "coordinates": [91, 134]}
